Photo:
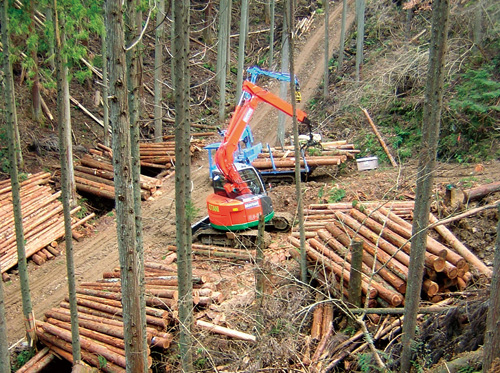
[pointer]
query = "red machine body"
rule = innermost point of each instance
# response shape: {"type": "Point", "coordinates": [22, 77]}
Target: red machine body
{"type": "Point", "coordinates": [239, 196]}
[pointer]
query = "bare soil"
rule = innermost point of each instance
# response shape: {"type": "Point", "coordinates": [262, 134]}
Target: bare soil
{"type": "Point", "coordinates": [98, 252]}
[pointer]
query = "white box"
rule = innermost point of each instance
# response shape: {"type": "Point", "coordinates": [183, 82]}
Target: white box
{"type": "Point", "coordinates": [369, 163]}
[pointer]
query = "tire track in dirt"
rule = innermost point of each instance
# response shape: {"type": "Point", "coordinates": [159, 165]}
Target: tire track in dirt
{"type": "Point", "coordinates": [309, 68]}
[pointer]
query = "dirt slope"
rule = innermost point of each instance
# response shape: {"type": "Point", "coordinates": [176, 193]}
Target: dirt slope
{"type": "Point", "coordinates": [99, 253]}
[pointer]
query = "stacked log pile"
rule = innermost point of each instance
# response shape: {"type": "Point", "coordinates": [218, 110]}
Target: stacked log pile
{"type": "Point", "coordinates": [162, 154]}
{"type": "Point", "coordinates": [331, 228]}
{"type": "Point", "coordinates": [43, 221]}
{"type": "Point", "coordinates": [333, 153]}
{"type": "Point", "coordinates": [94, 174]}
{"type": "Point", "coordinates": [100, 314]}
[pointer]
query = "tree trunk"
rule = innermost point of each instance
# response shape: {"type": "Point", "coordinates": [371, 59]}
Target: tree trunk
{"type": "Point", "coordinates": [327, 56]}
{"type": "Point", "coordinates": [222, 56]}
{"type": "Point", "coordinates": [207, 31]}
{"type": "Point", "coordinates": [160, 27]}
{"type": "Point", "coordinates": [11, 120]}
{"type": "Point", "coordinates": [51, 51]}
{"type": "Point", "coordinates": [228, 54]}
{"type": "Point", "coordinates": [360, 15]}
{"type": "Point", "coordinates": [35, 89]}
{"type": "Point", "coordinates": [492, 337]}
{"type": "Point", "coordinates": [183, 203]}
{"type": "Point", "coordinates": [267, 11]}
{"type": "Point", "coordinates": [289, 11]}
{"type": "Point", "coordinates": [4, 345]}
{"type": "Point", "coordinates": [342, 36]}
{"type": "Point", "coordinates": [241, 48]}
{"type": "Point", "coordinates": [271, 33]}
{"type": "Point", "coordinates": [124, 197]}
{"type": "Point", "coordinates": [67, 173]}
{"type": "Point", "coordinates": [105, 90]}
{"type": "Point", "coordinates": [285, 58]}
{"type": "Point", "coordinates": [427, 161]}
{"type": "Point", "coordinates": [134, 75]}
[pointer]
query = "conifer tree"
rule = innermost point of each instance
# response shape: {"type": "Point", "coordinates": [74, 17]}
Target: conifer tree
{"type": "Point", "coordinates": [11, 119]}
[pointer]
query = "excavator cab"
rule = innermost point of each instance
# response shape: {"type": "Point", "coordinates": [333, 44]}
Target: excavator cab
{"type": "Point", "coordinates": [234, 211]}
{"type": "Point", "coordinates": [248, 174]}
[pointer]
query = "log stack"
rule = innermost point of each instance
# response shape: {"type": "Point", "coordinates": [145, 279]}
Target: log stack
{"type": "Point", "coordinates": [43, 221]}
{"type": "Point", "coordinates": [333, 154]}
{"type": "Point", "coordinates": [100, 314]}
{"type": "Point", "coordinates": [331, 228]}
{"type": "Point", "coordinates": [94, 175]}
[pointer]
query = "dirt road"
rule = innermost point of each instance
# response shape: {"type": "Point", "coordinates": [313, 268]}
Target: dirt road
{"type": "Point", "coordinates": [99, 253]}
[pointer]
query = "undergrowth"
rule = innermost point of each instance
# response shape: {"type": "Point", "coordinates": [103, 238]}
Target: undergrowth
{"type": "Point", "coordinates": [393, 80]}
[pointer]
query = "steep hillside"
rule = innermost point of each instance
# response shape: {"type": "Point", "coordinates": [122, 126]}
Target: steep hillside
{"type": "Point", "coordinates": [393, 79]}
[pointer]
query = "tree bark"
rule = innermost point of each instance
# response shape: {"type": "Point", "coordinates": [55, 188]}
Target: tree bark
{"type": "Point", "coordinates": [271, 32]}
{"type": "Point", "coordinates": [35, 89]}
{"type": "Point", "coordinates": [11, 120]}
{"type": "Point", "coordinates": [356, 262]}
{"type": "Point", "coordinates": [224, 19]}
{"type": "Point", "coordinates": [342, 37]}
{"type": "Point", "coordinates": [124, 198]}
{"type": "Point", "coordinates": [183, 203]}
{"type": "Point", "coordinates": [327, 56]}
{"type": "Point", "coordinates": [134, 74]}
{"type": "Point", "coordinates": [241, 47]}
{"type": "Point", "coordinates": [285, 67]}
{"type": "Point", "coordinates": [427, 161]}
{"type": "Point", "coordinates": [4, 345]}
{"type": "Point", "coordinates": [105, 90]}
{"type": "Point", "coordinates": [67, 173]}
{"type": "Point", "coordinates": [360, 17]}
{"type": "Point", "coordinates": [492, 337]}
{"type": "Point", "coordinates": [289, 11]}
{"type": "Point", "coordinates": [160, 27]}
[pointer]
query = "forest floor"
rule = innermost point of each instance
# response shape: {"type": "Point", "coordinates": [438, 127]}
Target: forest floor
{"type": "Point", "coordinates": [98, 252]}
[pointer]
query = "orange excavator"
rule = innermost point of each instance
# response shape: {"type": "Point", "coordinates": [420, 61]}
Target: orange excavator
{"type": "Point", "coordinates": [240, 197]}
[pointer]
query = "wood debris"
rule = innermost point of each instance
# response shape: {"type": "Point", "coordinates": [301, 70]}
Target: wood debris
{"type": "Point", "coordinates": [386, 242]}
{"type": "Point", "coordinates": [101, 322]}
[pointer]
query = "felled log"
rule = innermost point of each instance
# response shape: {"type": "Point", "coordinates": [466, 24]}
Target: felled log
{"type": "Point", "coordinates": [343, 239]}
{"type": "Point", "coordinates": [153, 335]}
{"type": "Point", "coordinates": [341, 271]}
{"type": "Point", "coordinates": [226, 331]}
{"type": "Point", "coordinates": [34, 360]}
{"type": "Point", "coordinates": [433, 246]}
{"type": "Point", "coordinates": [86, 343]}
{"type": "Point", "coordinates": [384, 291]}
{"type": "Point", "coordinates": [216, 251]}
{"type": "Point", "coordinates": [380, 139]}
{"type": "Point", "coordinates": [285, 163]}
{"type": "Point", "coordinates": [481, 191]}
{"type": "Point", "coordinates": [460, 247]}
{"type": "Point", "coordinates": [431, 260]}
{"type": "Point", "coordinates": [317, 322]}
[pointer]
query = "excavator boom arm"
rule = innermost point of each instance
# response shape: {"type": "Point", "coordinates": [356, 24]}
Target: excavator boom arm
{"type": "Point", "coordinates": [224, 157]}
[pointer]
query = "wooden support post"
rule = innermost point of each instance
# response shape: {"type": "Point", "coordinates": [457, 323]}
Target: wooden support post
{"type": "Point", "coordinates": [356, 262]}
